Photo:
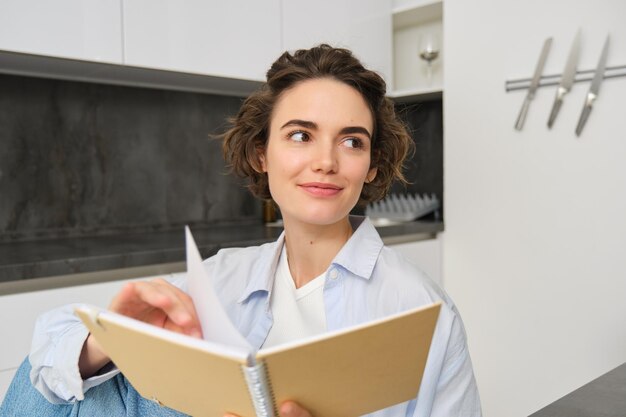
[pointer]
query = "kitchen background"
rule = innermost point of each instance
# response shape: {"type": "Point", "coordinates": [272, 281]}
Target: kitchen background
{"type": "Point", "coordinates": [535, 224]}
{"type": "Point", "coordinates": [532, 251]}
{"type": "Point", "coordinates": [82, 159]}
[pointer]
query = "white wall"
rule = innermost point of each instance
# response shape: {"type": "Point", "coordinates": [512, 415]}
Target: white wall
{"type": "Point", "coordinates": [426, 254]}
{"type": "Point", "coordinates": [535, 220]}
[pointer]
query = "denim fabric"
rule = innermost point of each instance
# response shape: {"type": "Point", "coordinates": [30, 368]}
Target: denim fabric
{"type": "Point", "coordinates": [113, 398]}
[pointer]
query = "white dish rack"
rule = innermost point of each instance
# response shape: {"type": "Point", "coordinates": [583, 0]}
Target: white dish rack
{"type": "Point", "coordinates": [398, 208]}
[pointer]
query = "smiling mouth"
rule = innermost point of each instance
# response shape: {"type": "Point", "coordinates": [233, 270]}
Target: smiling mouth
{"type": "Point", "coordinates": [321, 189]}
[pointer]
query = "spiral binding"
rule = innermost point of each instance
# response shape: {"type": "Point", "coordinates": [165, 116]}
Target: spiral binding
{"type": "Point", "coordinates": [260, 390]}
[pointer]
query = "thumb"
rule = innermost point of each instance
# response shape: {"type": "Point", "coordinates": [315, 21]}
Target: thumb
{"type": "Point", "coordinates": [292, 409]}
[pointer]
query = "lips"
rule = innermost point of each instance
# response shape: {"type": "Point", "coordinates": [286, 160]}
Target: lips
{"type": "Point", "coordinates": [321, 189]}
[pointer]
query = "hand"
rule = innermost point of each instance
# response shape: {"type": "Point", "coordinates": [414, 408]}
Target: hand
{"type": "Point", "coordinates": [155, 302]}
{"type": "Point", "coordinates": [287, 409]}
{"type": "Point", "coordinates": [158, 303]}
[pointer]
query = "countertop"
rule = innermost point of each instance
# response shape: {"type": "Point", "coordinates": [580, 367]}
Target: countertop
{"type": "Point", "coordinates": [603, 397]}
{"type": "Point", "coordinates": [51, 263]}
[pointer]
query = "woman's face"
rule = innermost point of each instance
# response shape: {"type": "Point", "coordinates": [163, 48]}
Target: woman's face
{"type": "Point", "coordinates": [318, 153]}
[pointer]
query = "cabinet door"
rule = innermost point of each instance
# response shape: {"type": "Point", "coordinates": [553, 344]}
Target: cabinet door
{"type": "Point", "coordinates": [88, 30]}
{"type": "Point", "coordinates": [235, 39]}
{"type": "Point", "coordinates": [364, 26]}
{"type": "Point", "coordinates": [426, 254]}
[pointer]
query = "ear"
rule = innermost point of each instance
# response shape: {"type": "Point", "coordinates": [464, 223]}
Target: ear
{"type": "Point", "coordinates": [371, 174]}
{"type": "Point", "coordinates": [261, 156]}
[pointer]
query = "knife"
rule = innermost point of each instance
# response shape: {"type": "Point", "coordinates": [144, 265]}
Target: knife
{"type": "Point", "coordinates": [594, 89]}
{"type": "Point", "coordinates": [567, 79]}
{"type": "Point", "coordinates": [533, 84]}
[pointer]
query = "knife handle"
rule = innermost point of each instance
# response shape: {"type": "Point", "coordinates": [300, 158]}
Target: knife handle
{"type": "Point", "coordinates": [558, 100]}
{"type": "Point", "coordinates": [555, 110]}
{"type": "Point", "coordinates": [591, 97]}
{"type": "Point", "coordinates": [522, 114]}
{"type": "Point", "coordinates": [583, 119]}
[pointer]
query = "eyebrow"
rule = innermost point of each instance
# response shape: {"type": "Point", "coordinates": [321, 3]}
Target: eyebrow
{"type": "Point", "coordinates": [312, 125]}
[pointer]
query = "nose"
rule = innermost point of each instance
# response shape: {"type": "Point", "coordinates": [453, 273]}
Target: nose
{"type": "Point", "coordinates": [324, 158]}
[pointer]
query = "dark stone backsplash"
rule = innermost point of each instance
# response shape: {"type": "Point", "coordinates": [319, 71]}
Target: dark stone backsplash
{"type": "Point", "coordinates": [81, 158]}
{"type": "Point", "coordinates": [424, 170]}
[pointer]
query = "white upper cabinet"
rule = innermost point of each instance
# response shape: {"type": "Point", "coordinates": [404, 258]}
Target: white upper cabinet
{"type": "Point", "coordinates": [235, 38]}
{"type": "Point", "coordinates": [417, 49]}
{"type": "Point", "coordinates": [88, 30]}
{"type": "Point", "coordinates": [364, 26]}
{"type": "Point", "coordinates": [193, 45]}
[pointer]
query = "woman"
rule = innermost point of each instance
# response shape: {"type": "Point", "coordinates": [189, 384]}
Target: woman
{"type": "Point", "coordinates": [318, 138]}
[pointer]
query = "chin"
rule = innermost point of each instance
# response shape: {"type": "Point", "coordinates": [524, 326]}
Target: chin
{"type": "Point", "coordinates": [321, 218]}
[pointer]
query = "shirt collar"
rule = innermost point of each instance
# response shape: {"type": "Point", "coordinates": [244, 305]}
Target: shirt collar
{"type": "Point", "coordinates": [358, 256]}
{"type": "Point", "coordinates": [264, 269]}
{"type": "Point", "coordinates": [360, 253]}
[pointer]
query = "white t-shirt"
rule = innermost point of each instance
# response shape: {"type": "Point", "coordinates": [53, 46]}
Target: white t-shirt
{"type": "Point", "coordinates": [297, 312]}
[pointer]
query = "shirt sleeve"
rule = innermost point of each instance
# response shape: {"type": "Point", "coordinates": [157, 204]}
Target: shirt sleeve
{"type": "Point", "coordinates": [452, 390]}
{"type": "Point", "coordinates": [57, 342]}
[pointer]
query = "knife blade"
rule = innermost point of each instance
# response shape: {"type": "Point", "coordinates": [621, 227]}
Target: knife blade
{"type": "Point", "coordinates": [533, 84]}
{"type": "Point", "coordinates": [594, 89]}
{"type": "Point", "coordinates": [567, 79]}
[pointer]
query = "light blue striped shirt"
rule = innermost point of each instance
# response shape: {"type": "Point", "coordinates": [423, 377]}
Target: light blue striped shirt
{"type": "Point", "coordinates": [365, 281]}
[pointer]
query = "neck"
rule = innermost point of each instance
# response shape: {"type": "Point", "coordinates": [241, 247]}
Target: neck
{"type": "Point", "coordinates": [311, 248]}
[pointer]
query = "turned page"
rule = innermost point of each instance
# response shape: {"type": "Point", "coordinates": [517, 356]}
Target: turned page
{"type": "Point", "coordinates": [216, 325]}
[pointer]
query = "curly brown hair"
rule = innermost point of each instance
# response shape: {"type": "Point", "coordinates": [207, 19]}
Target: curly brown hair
{"type": "Point", "coordinates": [246, 140]}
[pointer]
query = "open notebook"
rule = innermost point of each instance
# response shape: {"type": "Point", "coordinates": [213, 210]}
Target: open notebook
{"type": "Point", "coordinates": [350, 372]}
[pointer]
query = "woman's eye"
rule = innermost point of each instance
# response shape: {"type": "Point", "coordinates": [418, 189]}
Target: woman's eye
{"type": "Point", "coordinates": [353, 143]}
{"type": "Point", "coordinates": [299, 136]}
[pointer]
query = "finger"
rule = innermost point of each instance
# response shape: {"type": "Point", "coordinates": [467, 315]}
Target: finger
{"type": "Point", "coordinates": [160, 303]}
{"type": "Point", "coordinates": [127, 301]}
{"type": "Point", "coordinates": [159, 296]}
{"type": "Point", "coordinates": [182, 310]}
{"type": "Point", "coordinates": [190, 330]}
{"type": "Point", "coordinates": [136, 297]}
{"type": "Point", "coordinates": [292, 409]}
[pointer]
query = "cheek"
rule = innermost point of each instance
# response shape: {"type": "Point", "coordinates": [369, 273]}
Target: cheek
{"type": "Point", "coordinates": [279, 173]}
{"type": "Point", "coordinates": [361, 170]}
{"type": "Point", "coordinates": [285, 163]}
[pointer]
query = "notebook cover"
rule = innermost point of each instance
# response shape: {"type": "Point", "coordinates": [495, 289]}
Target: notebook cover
{"type": "Point", "coordinates": [173, 370]}
{"type": "Point", "coordinates": [348, 373]}
{"type": "Point", "coordinates": [358, 372]}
